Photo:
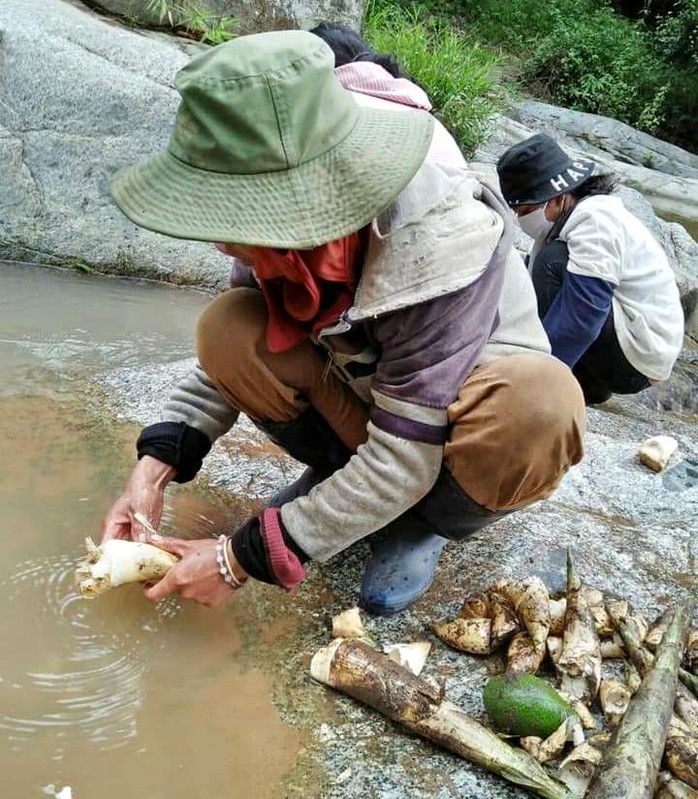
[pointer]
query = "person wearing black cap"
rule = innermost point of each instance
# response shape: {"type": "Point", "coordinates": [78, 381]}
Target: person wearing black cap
{"type": "Point", "coordinates": [606, 293]}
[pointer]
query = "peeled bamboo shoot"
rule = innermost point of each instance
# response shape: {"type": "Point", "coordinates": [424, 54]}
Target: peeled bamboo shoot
{"type": "Point", "coordinates": [579, 661]}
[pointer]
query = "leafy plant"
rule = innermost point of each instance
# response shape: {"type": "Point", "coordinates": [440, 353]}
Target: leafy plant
{"type": "Point", "coordinates": [194, 20]}
{"type": "Point", "coordinates": [516, 24]}
{"type": "Point", "coordinates": [162, 9]}
{"type": "Point", "coordinates": [580, 54]}
{"type": "Point", "coordinates": [676, 34]}
{"type": "Point", "coordinates": [604, 64]}
{"type": "Point", "coordinates": [456, 73]}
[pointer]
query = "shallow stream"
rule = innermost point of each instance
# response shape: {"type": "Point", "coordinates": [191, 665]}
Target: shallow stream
{"type": "Point", "coordinates": [113, 697]}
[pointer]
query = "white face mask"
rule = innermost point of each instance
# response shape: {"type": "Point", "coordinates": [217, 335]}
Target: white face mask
{"type": "Point", "coordinates": [535, 224]}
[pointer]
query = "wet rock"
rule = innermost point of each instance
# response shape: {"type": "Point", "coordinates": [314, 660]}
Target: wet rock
{"type": "Point", "coordinates": [602, 136]}
{"type": "Point", "coordinates": [680, 392]}
{"type": "Point", "coordinates": [244, 461]}
{"type": "Point", "coordinates": [666, 175]}
{"type": "Point", "coordinates": [682, 476]}
{"type": "Point", "coordinates": [62, 138]}
{"type": "Point", "coordinates": [632, 532]}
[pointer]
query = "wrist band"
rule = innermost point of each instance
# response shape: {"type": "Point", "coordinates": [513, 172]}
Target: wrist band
{"type": "Point", "coordinates": [223, 564]}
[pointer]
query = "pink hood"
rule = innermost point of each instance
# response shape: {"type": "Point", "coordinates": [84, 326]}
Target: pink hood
{"type": "Point", "coordinates": [364, 77]}
{"type": "Point", "coordinates": [374, 86]}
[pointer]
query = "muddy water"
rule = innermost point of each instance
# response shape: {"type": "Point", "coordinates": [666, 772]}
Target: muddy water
{"type": "Point", "coordinates": [114, 697]}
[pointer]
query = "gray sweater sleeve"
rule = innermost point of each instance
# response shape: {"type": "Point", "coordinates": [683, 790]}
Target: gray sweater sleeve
{"type": "Point", "coordinates": [385, 477]}
{"type": "Point", "coordinates": [198, 403]}
{"type": "Point", "coordinates": [427, 351]}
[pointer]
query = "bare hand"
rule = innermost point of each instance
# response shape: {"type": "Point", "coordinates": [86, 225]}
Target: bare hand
{"type": "Point", "coordinates": [145, 493]}
{"type": "Point", "coordinates": [196, 576]}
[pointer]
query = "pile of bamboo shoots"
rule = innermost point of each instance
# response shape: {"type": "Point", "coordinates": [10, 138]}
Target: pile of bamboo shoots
{"type": "Point", "coordinates": [633, 688]}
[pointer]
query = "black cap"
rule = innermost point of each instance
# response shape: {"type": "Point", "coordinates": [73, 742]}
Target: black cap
{"type": "Point", "coordinates": [538, 169]}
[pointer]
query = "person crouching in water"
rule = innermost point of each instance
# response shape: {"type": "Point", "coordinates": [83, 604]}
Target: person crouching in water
{"type": "Point", "coordinates": [389, 341]}
{"type": "Point", "coordinates": [606, 293]}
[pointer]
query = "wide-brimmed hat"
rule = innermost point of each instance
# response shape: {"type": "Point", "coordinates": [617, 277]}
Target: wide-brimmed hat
{"type": "Point", "coordinates": [268, 149]}
{"type": "Point", "coordinates": [538, 169]}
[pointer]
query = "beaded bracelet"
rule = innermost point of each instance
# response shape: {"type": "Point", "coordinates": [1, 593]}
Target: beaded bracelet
{"type": "Point", "coordinates": [223, 565]}
{"type": "Point", "coordinates": [240, 580]}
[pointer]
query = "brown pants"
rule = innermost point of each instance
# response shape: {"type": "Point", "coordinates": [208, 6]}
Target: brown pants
{"type": "Point", "coordinates": [517, 424]}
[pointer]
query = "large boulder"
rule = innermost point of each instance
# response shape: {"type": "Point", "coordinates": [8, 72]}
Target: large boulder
{"type": "Point", "coordinates": [81, 96]}
{"type": "Point", "coordinates": [602, 136]}
{"type": "Point", "coordinates": [246, 16]}
{"type": "Point", "coordinates": [631, 531]}
{"type": "Point", "coordinates": [666, 175]}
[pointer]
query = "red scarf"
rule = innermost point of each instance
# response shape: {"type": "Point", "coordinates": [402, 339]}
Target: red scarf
{"type": "Point", "coordinates": [305, 290]}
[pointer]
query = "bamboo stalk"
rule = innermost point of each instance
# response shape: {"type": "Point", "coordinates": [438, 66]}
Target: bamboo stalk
{"type": "Point", "coordinates": [367, 675]}
{"type": "Point", "coordinates": [639, 654]}
{"type": "Point", "coordinates": [681, 755]}
{"type": "Point", "coordinates": [686, 706]}
{"type": "Point", "coordinates": [668, 787]}
{"type": "Point", "coordinates": [631, 763]}
{"type": "Point", "coordinates": [689, 680]}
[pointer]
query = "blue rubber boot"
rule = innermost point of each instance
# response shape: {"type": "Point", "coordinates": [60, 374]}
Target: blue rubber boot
{"type": "Point", "coordinates": [401, 566]}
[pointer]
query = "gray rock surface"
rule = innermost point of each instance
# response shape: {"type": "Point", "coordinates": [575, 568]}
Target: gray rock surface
{"type": "Point", "coordinates": [61, 139]}
{"type": "Point", "coordinates": [81, 96]}
{"type": "Point", "coordinates": [632, 532]}
{"type": "Point", "coordinates": [600, 136]}
{"type": "Point", "coordinates": [250, 17]}
{"type": "Point", "coordinates": [669, 195]}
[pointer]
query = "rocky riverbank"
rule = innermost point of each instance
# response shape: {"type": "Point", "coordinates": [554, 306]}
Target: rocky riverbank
{"type": "Point", "coordinates": [632, 531]}
{"type": "Point", "coordinates": [79, 97]}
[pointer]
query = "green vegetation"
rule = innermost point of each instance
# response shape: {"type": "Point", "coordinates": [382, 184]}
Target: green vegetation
{"type": "Point", "coordinates": [676, 33]}
{"type": "Point", "coordinates": [603, 63]}
{"type": "Point", "coordinates": [190, 19]}
{"type": "Point", "coordinates": [581, 54]}
{"type": "Point", "coordinates": [456, 73]}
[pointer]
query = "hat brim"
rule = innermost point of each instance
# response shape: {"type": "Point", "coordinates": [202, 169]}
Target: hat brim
{"type": "Point", "coordinates": [322, 200]}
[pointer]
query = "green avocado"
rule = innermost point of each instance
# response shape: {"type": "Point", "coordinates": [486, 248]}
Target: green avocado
{"type": "Point", "coordinates": [524, 705]}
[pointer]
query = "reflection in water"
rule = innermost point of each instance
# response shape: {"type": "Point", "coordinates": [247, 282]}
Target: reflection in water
{"type": "Point", "coordinates": [113, 697]}
{"type": "Point", "coordinates": [58, 320]}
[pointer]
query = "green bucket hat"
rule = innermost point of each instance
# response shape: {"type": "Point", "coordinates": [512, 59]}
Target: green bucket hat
{"type": "Point", "coordinates": [268, 149]}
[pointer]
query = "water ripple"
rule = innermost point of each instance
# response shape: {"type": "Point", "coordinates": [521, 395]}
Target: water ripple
{"type": "Point", "coordinates": [73, 671]}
